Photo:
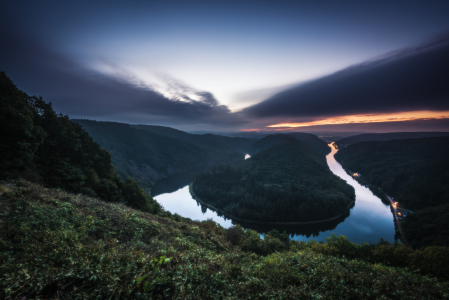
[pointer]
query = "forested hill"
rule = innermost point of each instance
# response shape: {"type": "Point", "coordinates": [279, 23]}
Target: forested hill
{"type": "Point", "coordinates": [208, 140]}
{"type": "Point", "coordinates": [413, 171]}
{"type": "Point", "coordinates": [148, 156]}
{"type": "Point", "coordinates": [272, 140]}
{"type": "Point", "coordinates": [386, 137]}
{"type": "Point", "coordinates": [287, 182]}
{"type": "Point", "coordinates": [42, 146]}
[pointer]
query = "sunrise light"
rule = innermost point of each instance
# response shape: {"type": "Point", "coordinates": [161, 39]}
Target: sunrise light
{"type": "Point", "coordinates": [250, 130]}
{"type": "Point", "coordinates": [369, 118]}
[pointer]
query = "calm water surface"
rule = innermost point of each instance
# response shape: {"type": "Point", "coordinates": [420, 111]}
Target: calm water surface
{"type": "Point", "coordinates": [368, 221]}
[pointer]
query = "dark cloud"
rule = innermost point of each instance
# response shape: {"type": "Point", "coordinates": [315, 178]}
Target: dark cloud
{"type": "Point", "coordinates": [83, 93]}
{"type": "Point", "coordinates": [411, 79]}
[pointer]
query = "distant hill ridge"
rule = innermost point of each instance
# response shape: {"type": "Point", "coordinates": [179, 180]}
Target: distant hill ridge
{"type": "Point", "coordinates": [386, 137]}
{"type": "Point", "coordinates": [272, 140]}
{"type": "Point", "coordinates": [416, 173]}
{"type": "Point", "coordinates": [209, 140]}
{"type": "Point", "coordinates": [148, 153]}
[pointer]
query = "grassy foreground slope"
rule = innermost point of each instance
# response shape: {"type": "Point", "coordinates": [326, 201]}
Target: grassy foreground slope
{"type": "Point", "coordinates": [59, 245]}
{"type": "Point", "coordinates": [416, 173]}
{"type": "Point", "coordinates": [289, 181]}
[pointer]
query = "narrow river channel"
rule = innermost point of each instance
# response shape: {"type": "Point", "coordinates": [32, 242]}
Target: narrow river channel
{"type": "Point", "coordinates": [368, 221]}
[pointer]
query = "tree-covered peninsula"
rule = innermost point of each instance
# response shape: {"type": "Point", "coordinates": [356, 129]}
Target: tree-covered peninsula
{"type": "Point", "coordinates": [287, 182]}
{"type": "Point", "coordinates": [415, 172]}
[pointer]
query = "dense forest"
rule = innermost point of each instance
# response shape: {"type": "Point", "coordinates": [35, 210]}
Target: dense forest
{"type": "Point", "coordinates": [215, 141]}
{"type": "Point", "coordinates": [416, 173]}
{"type": "Point", "coordinates": [371, 137]}
{"type": "Point", "coordinates": [288, 182]}
{"type": "Point", "coordinates": [43, 146]}
{"type": "Point", "coordinates": [148, 153]}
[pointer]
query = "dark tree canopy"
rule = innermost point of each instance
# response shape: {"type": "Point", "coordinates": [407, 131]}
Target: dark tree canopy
{"type": "Point", "coordinates": [287, 182]}
{"type": "Point", "coordinates": [149, 153]}
{"type": "Point", "coordinates": [40, 144]}
{"type": "Point", "coordinates": [416, 173]}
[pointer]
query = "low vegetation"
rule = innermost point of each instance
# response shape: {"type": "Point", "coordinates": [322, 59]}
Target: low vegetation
{"type": "Point", "coordinates": [289, 181]}
{"type": "Point", "coordinates": [59, 245]}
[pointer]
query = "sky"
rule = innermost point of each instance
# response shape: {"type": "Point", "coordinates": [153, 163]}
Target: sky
{"type": "Point", "coordinates": [235, 65]}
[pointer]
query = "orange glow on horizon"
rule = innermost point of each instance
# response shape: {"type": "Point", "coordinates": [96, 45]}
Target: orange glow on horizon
{"type": "Point", "coordinates": [249, 130]}
{"type": "Point", "coordinates": [369, 118]}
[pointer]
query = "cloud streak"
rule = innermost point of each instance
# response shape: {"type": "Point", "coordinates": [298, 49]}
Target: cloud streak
{"type": "Point", "coordinates": [85, 93]}
{"type": "Point", "coordinates": [408, 80]}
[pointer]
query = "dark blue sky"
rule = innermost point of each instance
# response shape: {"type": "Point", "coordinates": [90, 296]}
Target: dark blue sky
{"type": "Point", "coordinates": [195, 64]}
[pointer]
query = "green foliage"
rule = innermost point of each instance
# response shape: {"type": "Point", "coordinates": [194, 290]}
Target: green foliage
{"type": "Point", "coordinates": [39, 144]}
{"type": "Point", "coordinates": [429, 226]}
{"type": "Point", "coordinates": [159, 282]}
{"type": "Point", "coordinates": [135, 197]}
{"type": "Point", "coordinates": [20, 137]}
{"type": "Point", "coordinates": [416, 173]}
{"type": "Point", "coordinates": [289, 181]}
{"type": "Point", "coordinates": [59, 245]}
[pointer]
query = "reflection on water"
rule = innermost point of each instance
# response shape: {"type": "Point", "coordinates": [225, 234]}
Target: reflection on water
{"type": "Point", "coordinates": [174, 182]}
{"type": "Point", "coordinates": [182, 203]}
{"type": "Point", "coordinates": [305, 231]}
{"type": "Point", "coordinates": [368, 221]}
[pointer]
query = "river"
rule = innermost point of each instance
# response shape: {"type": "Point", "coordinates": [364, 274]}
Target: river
{"type": "Point", "coordinates": [368, 221]}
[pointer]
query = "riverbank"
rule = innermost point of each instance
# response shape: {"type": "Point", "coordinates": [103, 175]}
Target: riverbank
{"type": "Point", "coordinates": [382, 196]}
{"type": "Point", "coordinates": [367, 222]}
{"type": "Point", "coordinates": [228, 216]}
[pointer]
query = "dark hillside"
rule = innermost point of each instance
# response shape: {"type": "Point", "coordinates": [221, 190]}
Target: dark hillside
{"type": "Point", "coordinates": [271, 140]}
{"type": "Point", "coordinates": [43, 146]}
{"type": "Point", "coordinates": [148, 156]}
{"type": "Point", "coordinates": [386, 137]}
{"type": "Point", "coordinates": [413, 171]}
{"type": "Point", "coordinates": [289, 181]}
{"type": "Point", "coordinates": [208, 140]}
{"type": "Point", "coordinates": [312, 139]}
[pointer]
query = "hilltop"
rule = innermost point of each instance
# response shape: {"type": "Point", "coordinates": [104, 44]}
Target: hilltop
{"type": "Point", "coordinates": [312, 140]}
{"type": "Point", "coordinates": [149, 153]}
